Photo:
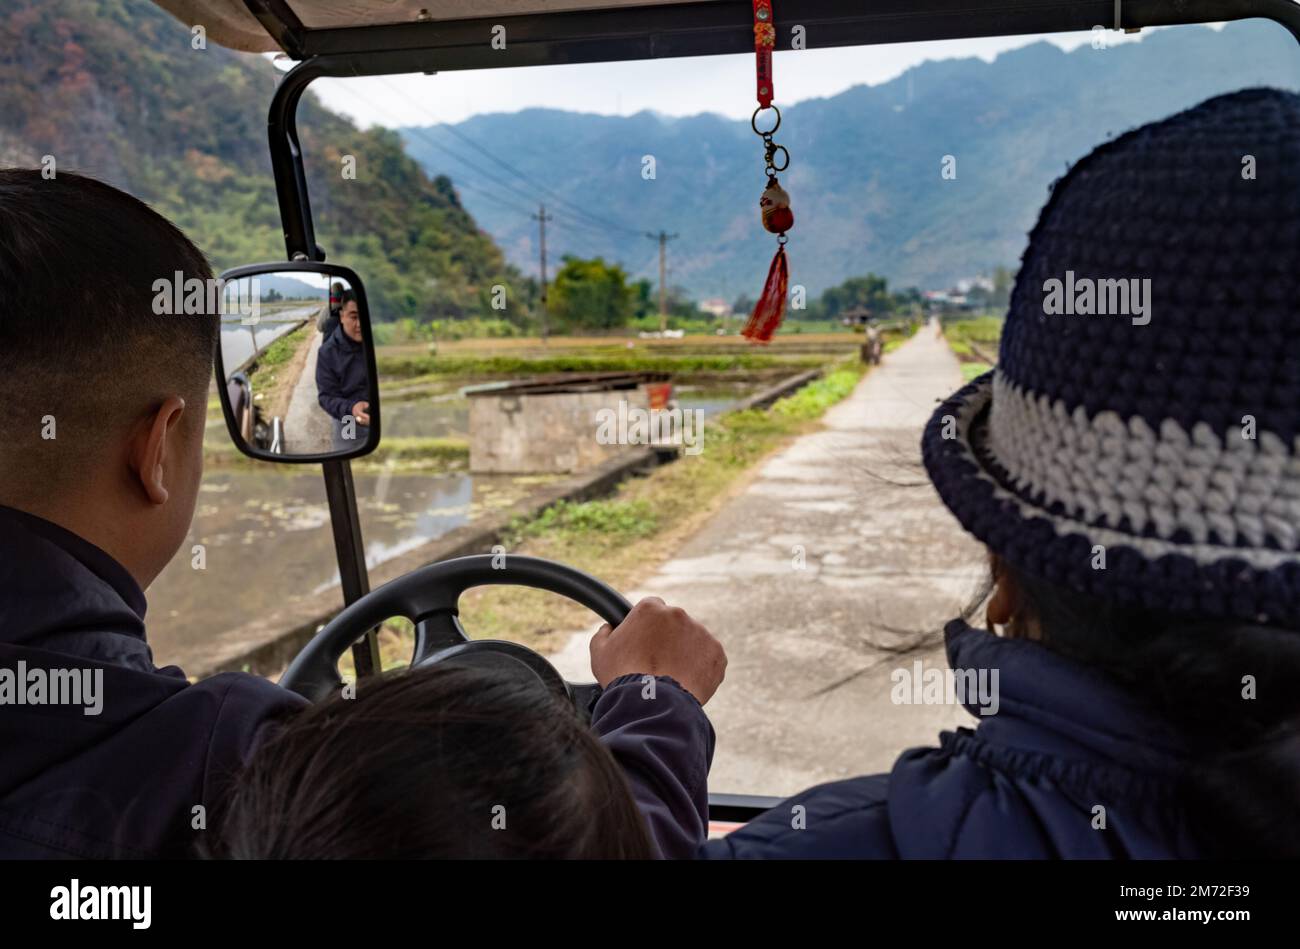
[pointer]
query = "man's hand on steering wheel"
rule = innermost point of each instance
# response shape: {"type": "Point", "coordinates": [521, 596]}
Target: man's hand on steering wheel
{"type": "Point", "coordinates": [650, 638]}
{"type": "Point", "coordinates": [658, 639]}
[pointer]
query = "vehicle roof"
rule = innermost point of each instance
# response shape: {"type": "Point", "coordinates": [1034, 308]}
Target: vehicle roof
{"type": "Point", "coordinates": [230, 23]}
{"type": "Point", "coordinates": [375, 36]}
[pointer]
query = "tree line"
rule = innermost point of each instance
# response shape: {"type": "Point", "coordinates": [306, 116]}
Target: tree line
{"type": "Point", "coordinates": [589, 294]}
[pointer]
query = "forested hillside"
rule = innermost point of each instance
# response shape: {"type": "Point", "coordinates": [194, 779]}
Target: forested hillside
{"type": "Point", "coordinates": [114, 88]}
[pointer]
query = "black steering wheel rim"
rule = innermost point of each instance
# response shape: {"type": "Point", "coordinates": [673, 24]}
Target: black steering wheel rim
{"type": "Point", "coordinates": [429, 598]}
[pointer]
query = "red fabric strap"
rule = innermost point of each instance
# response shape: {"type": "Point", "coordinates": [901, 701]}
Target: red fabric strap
{"type": "Point", "coordinates": [764, 43]}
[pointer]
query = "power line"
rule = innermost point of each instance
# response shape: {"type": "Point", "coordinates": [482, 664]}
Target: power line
{"type": "Point", "coordinates": [491, 196]}
{"type": "Point", "coordinates": [512, 189]}
{"type": "Point", "coordinates": [647, 266]}
{"type": "Point", "coordinates": [451, 129]}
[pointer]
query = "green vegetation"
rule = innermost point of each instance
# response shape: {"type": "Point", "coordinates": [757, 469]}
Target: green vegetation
{"type": "Point", "coordinates": [869, 293]}
{"type": "Point", "coordinates": [700, 325]}
{"type": "Point", "coordinates": [407, 330]}
{"type": "Point", "coordinates": [982, 331]}
{"type": "Point", "coordinates": [283, 348]}
{"type": "Point", "coordinates": [406, 455]}
{"type": "Point", "coordinates": [627, 519]}
{"type": "Point", "coordinates": [590, 294]}
{"type": "Point", "coordinates": [115, 87]}
{"type": "Point", "coordinates": [818, 396]}
{"type": "Point", "coordinates": [974, 341]}
{"type": "Point", "coordinates": [409, 367]}
{"type": "Point", "coordinates": [395, 455]}
{"type": "Point", "coordinates": [272, 375]}
{"type": "Point", "coordinates": [619, 538]}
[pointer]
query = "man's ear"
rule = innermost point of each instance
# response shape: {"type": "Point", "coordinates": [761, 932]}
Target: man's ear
{"type": "Point", "coordinates": [150, 444]}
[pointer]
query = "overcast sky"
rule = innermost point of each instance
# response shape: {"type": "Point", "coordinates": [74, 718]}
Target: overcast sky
{"type": "Point", "coordinates": [723, 84]}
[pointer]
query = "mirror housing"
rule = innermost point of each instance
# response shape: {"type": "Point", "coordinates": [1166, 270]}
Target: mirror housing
{"type": "Point", "coordinates": [308, 390]}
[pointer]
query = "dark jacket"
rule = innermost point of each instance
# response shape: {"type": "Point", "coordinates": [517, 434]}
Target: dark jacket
{"type": "Point", "coordinates": [663, 742]}
{"type": "Point", "coordinates": [126, 781]}
{"type": "Point", "coordinates": [341, 378]}
{"type": "Point", "coordinates": [1027, 782]}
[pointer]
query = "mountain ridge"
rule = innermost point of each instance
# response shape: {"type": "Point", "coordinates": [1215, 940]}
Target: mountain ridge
{"type": "Point", "coordinates": [864, 177]}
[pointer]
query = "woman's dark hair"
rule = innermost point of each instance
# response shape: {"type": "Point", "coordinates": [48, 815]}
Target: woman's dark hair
{"type": "Point", "coordinates": [448, 761]}
{"type": "Point", "coordinates": [1243, 788]}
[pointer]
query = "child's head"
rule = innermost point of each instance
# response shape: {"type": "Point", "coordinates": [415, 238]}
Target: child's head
{"type": "Point", "coordinates": [446, 761]}
{"type": "Point", "coordinates": [107, 331]}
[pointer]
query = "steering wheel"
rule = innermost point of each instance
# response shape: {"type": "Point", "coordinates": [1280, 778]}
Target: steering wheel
{"type": "Point", "coordinates": [429, 597]}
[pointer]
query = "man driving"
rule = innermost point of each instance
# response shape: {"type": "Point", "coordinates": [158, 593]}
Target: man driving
{"type": "Point", "coordinates": [342, 382]}
{"type": "Point", "coordinates": [101, 454]}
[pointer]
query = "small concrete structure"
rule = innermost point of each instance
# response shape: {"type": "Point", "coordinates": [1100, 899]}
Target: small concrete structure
{"type": "Point", "coordinates": [553, 424]}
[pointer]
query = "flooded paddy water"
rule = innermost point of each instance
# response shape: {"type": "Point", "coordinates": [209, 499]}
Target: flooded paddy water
{"type": "Point", "coordinates": [265, 529]}
{"type": "Point", "coordinates": [266, 536]}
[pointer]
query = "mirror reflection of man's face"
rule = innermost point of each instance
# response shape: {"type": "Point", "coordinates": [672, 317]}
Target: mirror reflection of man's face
{"type": "Point", "coordinates": [350, 317]}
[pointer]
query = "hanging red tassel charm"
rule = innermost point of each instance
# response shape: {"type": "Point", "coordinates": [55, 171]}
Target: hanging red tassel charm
{"type": "Point", "coordinates": [774, 205]}
{"type": "Point", "coordinates": [771, 305]}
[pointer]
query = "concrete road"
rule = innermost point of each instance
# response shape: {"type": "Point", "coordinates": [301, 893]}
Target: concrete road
{"type": "Point", "coordinates": [835, 556]}
{"type": "Point", "coordinates": [307, 429]}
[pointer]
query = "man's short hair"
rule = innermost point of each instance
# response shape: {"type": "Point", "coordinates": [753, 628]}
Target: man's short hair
{"type": "Point", "coordinates": [80, 341]}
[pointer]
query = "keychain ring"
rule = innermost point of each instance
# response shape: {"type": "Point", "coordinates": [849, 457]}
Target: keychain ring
{"type": "Point", "coordinates": [771, 159]}
{"type": "Point", "coordinates": [753, 121]}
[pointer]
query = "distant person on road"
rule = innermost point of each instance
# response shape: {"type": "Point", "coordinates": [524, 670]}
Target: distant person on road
{"type": "Point", "coordinates": [874, 345]}
{"type": "Point", "coordinates": [342, 379]}
{"type": "Point", "coordinates": [329, 317]}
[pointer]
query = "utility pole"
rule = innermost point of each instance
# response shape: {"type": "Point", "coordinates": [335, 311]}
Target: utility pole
{"type": "Point", "coordinates": [541, 217]}
{"type": "Point", "coordinates": [663, 238]}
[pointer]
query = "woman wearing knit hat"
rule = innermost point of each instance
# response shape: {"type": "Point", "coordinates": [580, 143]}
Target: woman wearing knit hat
{"type": "Point", "coordinates": [1133, 467]}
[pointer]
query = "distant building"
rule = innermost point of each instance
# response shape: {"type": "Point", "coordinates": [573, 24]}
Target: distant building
{"type": "Point", "coordinates": [716, 306]}
{"type": "Point", "coordinates": [967, 284]}
{"type": "Point", "coordinates": [943, 300]}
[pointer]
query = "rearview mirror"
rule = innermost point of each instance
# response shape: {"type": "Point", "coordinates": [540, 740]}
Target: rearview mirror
{"type": "Point", "coordinates": [296, 362]}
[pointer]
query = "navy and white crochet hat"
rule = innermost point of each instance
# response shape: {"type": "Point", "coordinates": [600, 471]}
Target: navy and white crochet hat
{"type": "Point", "coordinates": [1147, 395]}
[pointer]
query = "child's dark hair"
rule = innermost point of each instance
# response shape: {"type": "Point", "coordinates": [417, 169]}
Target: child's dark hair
{"type": "Point", "coordinates": [448, 761]}
{"type": "Point", "coordinates": [1242, 787]}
